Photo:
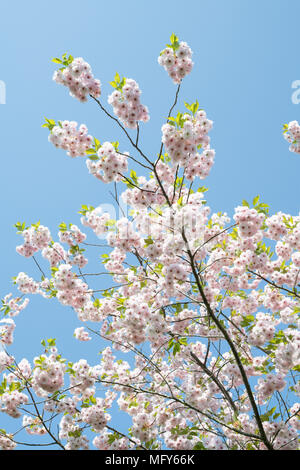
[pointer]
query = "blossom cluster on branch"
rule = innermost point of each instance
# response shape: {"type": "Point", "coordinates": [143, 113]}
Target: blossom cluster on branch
{"type": "Point", "coordinates": [214, 302]}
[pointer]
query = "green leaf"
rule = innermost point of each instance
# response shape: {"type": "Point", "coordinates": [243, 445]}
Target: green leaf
{"type": "Point", "coordinates": [63, 227]}
{"type": "Point", "coordinates": [97, 303]}
{"type": "Point", "coordinates": [266, 416]}
{"type": "Point", "coordinates": [117, 82]}
{"type": "Point", "coordinates": [195, 107]}
{"type": "Point", "coordinates": [90, 151]}
{"type": "Point", "coordinates": [85, 209]}
{"type": "Point", "coordinates": [285, 128]}
{"type": "Point", "coordinates": [97, 143]}
{"type": "Point", "coordinates": [56, 60]}
{"type": "Point", "coordinates": [188, 106]}
{"type": "Point", "coordinates": [50, 123]}
{"type": "Point", "coordinates": [110, 223]}
{"type": "Point", "coordinates": [192, 107]}
{"type": "Point", "coordinates": [202, 189]}
{"type": "Point", "coordinates": [111, 439]}
{"type": "Point", "coordinates": [247, 320]}
{"type": "Point", "coordinates": [179, 202]}
{"type": "Point", "coordinates": [20, 226]}
{"type": "Point", "coordinates": [255, 200]}
{"type": "Point", "coordinates": [65, 60]}
{"type": "Point", "coordinates": [133, 176]}
{"type": "Point", "coordinates": [76, 433]}
{"type": "Point", "coordinates": [148, 241]}
{"type": "Point", "coordinates": [174, 42]}
{"type": "Point", "coordinates": [115, 145]}
{"type": "Point", "coordinates": [176, 349]}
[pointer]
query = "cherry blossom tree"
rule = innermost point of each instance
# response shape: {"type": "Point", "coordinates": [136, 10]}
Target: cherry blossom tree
{"type": "Point", "coordinates": [204, 308]}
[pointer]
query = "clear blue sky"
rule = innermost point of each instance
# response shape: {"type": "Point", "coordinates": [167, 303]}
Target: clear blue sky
{"type": "Point", "coordinates": [246, 55]}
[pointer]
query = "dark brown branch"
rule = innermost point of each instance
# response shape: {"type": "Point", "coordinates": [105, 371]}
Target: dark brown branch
{"type": "Point", "coordinates": [232, 347]}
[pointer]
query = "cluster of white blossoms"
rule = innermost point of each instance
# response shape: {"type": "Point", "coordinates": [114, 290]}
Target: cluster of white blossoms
{"type": "Point", "coordinates": [183, 141]}
{"type": "Point", "coordinates": [35, 239]}
{"type": "Point", "coordinates": [126, 103]}
{"type": "Point", "coordinates": [192, 301]}
{"type": "Point", "coordinates": [69, 430]}
{"type": "Point", "coordinates": [7, 330]}
{"type": "Point", "coordinates": [287, 355]}
{"type": "Point", "coordinates": [72, 236]}
{"type": "Point", "coordinates": [33, 425]}
{"type": "Point", "coordinates": [65, 405]}
{"type": "Point", "coordinates": [10, 401]}
{"type": "Point", "coordinates": [6, 443]}
{"type": "Point", "coordinates": [284, 437]}
{"type": "Point", "coordinates": [78, 77]}
{"type": "Point", "coordinates": [266, 387]}
{"type": "Point", "coordinates": [263, 329]}
{"type": "Point", "coordinates": [54, 254]}
{"type": "Point", "coordinates": [292, 135]}
{"type": "Point", "coordinates": [67, 137]}
{"type": "Point", "coordinates": [26, 284]}
{"type": "Point", "coordinates": [70, 289]}
{"type": "Point", "coordinates": [176, 59]}
{"type": "Point", "coordinates": [104, 441]}
{"type": "Point", "coordinates": [97, 220]}
{"type": "Point", "coordinates": [81, 334]}
{"type": "Point", "coordinates": [110, 166]}
{"type": "Point", "coordinates": [95, 415]}
{"type": "Point", "coordinates": [14, 305]}
{"type": "Point", "coordinates": [249, 220]}
{"type": "Point", "coordinates": [48, 376]}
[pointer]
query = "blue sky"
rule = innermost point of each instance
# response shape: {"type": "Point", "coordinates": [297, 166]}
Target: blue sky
{"type": "Point", "coordinates": [246, 58]}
